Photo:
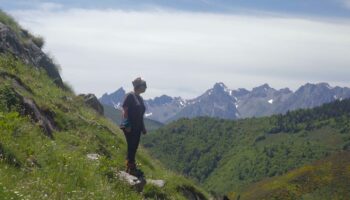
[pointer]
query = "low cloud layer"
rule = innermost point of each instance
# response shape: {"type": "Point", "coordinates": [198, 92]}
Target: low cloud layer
{"type": "Point", "coordinates": [185, 53]}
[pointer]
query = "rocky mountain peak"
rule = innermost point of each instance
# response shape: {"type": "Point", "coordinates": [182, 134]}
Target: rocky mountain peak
{"type": "Point", "coordinates": [262, 88]}
{"type": "Point", "coordinates": [285, 91]}
{"type": "Point", "coordinates": [119, 92]}
{"type": "Point", "coordinates": [114, 99]}
{"type": "Point", "coordinates": [262, 91]}
{"type": "Point", "coordinates": [240, 92]}
{"type": "Point", "coordinates": [324, 85]}
{"type": "Point", "coordinates": [164, 99]}
{"type": "Point", "coordinates": [220, 88]}
{"type": "Point", "coordinates": [309, 87]}
{"type": "Point", "coordinates": [219, 85]}
{"type": "Point", "coordinates": [220, 101]}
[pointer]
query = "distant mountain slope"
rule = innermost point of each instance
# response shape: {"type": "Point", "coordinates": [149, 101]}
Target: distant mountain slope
{"type": "Point", "coordinates": [160, 109]}
{"type": "Point", "coordinates": [216, 102]}
{"type": "Point", "coordinates": [228, 156]}
{"type": "Point", "coordinates": [114, 99]}
{"type": "Point", "coordinates": [224, 103]}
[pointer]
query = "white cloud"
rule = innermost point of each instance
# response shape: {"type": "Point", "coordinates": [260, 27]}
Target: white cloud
{"type": "Point", "coordinates": [183, 53]}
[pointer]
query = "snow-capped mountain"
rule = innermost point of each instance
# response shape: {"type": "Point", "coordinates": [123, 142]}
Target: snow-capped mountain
{"type": "Point", "coordinates": [164, 108]}
{"type": "Point", "coordinates": [221, 102]}
{"type": "Point", "coordinates": [215, 102]}
{"type": "Point", "coordinates": [312, 95]}
{"type": "Point", "coordinates": [114, 99]}
{"type": "Point", "coordinates": [160, 108]}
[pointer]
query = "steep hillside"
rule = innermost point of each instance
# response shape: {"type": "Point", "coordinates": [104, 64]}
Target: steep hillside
{"type": "Point", "coordinates": [20, 43]}
{"type": "Point", "coordinates": [53, 146]}
{"type": "Point", "coordinates": [227, 156]}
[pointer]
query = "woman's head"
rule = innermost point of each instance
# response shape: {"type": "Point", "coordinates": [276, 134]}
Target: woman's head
{"type": "Point", "coordinates": [139, 85]}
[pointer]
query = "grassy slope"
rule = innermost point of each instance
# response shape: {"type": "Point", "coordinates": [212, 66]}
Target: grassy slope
{"type": "Point", "coordinates": [22, 34]}
{"type": "Point", "coordinates": [228, 156]}
{"type": "Point", "coordinates": [325, 179]}
{"type": "Point", "coordinates": [33, 166]}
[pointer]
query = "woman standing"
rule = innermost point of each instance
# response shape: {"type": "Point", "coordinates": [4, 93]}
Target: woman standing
{"type": "Point", "coordinates": [133, 124]}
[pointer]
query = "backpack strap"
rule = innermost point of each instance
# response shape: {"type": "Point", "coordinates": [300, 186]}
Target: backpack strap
{"type": "Point", "coordinates": [136, 99]}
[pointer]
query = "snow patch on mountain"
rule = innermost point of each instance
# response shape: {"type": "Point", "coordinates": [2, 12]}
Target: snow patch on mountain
{"type": "Point", "coordinates": [148, 114]}
{"type": "Point", "coordinates": [117, 105]}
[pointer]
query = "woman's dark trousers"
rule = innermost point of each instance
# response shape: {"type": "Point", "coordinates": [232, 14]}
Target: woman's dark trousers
{"type": "Point", "coordinates": [133, 140]}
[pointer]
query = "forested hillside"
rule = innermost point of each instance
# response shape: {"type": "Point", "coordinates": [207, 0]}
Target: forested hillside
{"type": "Point", "coordinates": [227, 156]}
{"type": "Point", "coordinates": [328, 178]}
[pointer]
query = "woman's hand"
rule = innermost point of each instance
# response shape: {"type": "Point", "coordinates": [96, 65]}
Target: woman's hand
{"type": "Point", "coordinates": [128, 129]}
{"type": "Point", "coordinates": [125, 126]}
{"type": "Point", "coordinates": [144, 131]}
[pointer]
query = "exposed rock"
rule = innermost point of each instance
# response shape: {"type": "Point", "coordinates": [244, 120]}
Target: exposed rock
{"type": "Point", "coordinates": [93, 156]}
{"type": "Point", "coordinates": [158, 183]}
{"type": "Point", "coordinates": [28, 52]}
{"type": "Point", "coordinates": [28, 106]}
{"type": "Point", "coordinates": [92, 101]}
{"type": "Point", "coordinates": [44, 118]}
{"type": "Point", "coordinates": [137, 183]}
{"type": "Point", "coordinates": [17, 82]}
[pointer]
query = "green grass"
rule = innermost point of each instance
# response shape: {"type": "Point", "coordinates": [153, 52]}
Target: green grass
{"type": "Point", "coordinates": [22, 34]}
{"type": "Point", "coordinates": [33, 166]}
{"type": "Point", "coordinates": [322, 180]}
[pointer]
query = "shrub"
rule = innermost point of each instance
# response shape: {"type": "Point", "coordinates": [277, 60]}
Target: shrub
{"type": "Point", "coordinates": [38, 41]}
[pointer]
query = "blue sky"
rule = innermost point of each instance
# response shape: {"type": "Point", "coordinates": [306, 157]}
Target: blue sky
{"type": "Point", "coordinates": [183, 47]}
{"type": "Point", "coordinates": [329, 8]}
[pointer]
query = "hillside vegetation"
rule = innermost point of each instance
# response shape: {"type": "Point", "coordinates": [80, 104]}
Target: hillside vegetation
{"type": "Point", "coordinates": [325, 179]}
{"type": "Point", "coordinates": [227, 156]}
{"type": "Point", "coordinates": [21, 33]}
{"type": "Point", "coordinates": [47, 134]}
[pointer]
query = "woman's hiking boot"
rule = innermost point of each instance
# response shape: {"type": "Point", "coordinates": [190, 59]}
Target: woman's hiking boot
{"type": "Point", "coordinates": [132, 170]}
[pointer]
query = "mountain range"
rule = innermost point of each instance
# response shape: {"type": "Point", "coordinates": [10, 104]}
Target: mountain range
{"type": "Point", "coordinates": [222, 102]}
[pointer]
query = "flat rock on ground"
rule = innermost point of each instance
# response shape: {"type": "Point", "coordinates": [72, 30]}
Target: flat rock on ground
{"type": "Point", "coordinates": [139, 182]}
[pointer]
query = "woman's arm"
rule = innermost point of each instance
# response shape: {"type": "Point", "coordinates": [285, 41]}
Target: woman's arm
{"type": "Point", "coordinates": [144, 131]}
{"type": "Point", "coordinates": [125, 113]}
{"type": "Point", "coordinates": [125, 125]}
